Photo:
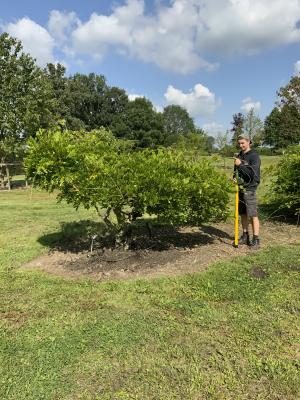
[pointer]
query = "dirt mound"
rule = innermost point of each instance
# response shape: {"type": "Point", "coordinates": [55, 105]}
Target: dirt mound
{"type": "Point", "coordinates": [169, 252]}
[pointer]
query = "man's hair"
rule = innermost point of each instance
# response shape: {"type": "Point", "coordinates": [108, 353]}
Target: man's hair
{"type": "Point", "coordinates": [245, 136]}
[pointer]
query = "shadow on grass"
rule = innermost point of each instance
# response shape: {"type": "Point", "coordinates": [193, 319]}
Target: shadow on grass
{"type": "Point", "coordinates": [77, 236]}
{"type": "Point", "coordinates": [18, 183]}
{"type": "Point", "coordinates": [73, 236]}
{"type": "Point", "coordinates": [215, 232]}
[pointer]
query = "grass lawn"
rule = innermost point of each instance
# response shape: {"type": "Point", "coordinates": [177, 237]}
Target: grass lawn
{"type": "Point", "coordinates": [231, 332]}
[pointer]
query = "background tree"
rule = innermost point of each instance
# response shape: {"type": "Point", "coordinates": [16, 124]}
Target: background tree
{"type": "Point", "coordinates": [55, 73]}
{"type": "Point", "coordinates": [282, 127]}
{"type": "Point", "coordinates": [290, 94]}
{"type": "Point", "coordinates": [85, 101]}
{"type": "Point", "coordinates": [115, 102]}
{"type": "Point", "coordinates": [272, 128]}
{"type": "Point", "coordinates": [177, 121]}
{"type": "Point", "coordinates": [210, 142]}
{"type": "Point", "coordinates": [139, 122]}
{"type": "Point", "coordinates": [222, 140]}
{"type": "Point", "coordinates": [253, 127]}
{"type": "Point", "coordinates": [237, 127]}
{"type": "Point", "coordinates": [196, 143]}
{"type": "Point", "coordinates": [84, 97]}
{"type": "Point", "coordinates": [27, 102]}
{"type": "Point", "coordinates": [224, 148]}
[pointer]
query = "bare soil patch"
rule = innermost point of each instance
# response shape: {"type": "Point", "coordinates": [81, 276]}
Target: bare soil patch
{"type": "Point", "coordinates": [170, 252]}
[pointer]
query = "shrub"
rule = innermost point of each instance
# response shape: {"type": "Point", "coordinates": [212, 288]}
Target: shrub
{"type": "Point", "coordinates": [96, 170]}
{"type": "Point", "coordinates": [285, 187]}
{"type": "Point", "coordinates": [293, 149]}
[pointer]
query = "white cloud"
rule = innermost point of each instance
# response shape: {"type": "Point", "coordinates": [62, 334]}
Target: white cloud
{"type": "Point", "coordinates": [176, 36]}
{"type": "Point", "coordinates": [248, 104]}
{"type": "Point", "coordinates": [61, 24]}
{"type": "Point", "coordinates": [213, 128]}
{"type": "Point", "coordinates": [132, 97]}
{"type": "Point", "coordinates": [246, 26]}
{"type": "Point", "coordinates": [165, 38]}
{"type": "Point", "coordinates": [158, 108]}
{"type": "Point", "coordinates": [297, 68]}
{"type": "Point", "coordinates": [199, 102]}
{"type": "Point", "coordinates": [36, 39]}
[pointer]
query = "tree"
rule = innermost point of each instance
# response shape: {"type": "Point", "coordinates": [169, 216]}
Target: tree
{"type": "Point", "coordinates": [222, 140]}
{"type": "Point", "coordinates": [26, 97]}
{"type": "Point", "coordinates": [55, 73]}
{"type": "Point", "coordinates": [282, 127]}
{"type": "Point", "coordinates": [97, 170]}
{"type": "Point", "coordinates": [272, 128]}
{"type": "Point", "coordinates": [85, 101]}
{"type": "Point", "coordinates": [210, 141]}
{"type": "Point", "coordinates": [237, 126]}
{"type": "Point", "coordinates": [84, 97]}
{"type": "Point", "coordinates": [289, 95]}
{"type": "Point", "coordinates": [177, 121]}
{"type": "Point", "coordinates": [195, 143]}
{"type": "Point", "coordinates": [139, 122]}
{"type": "Point", "coordinates": [225, 150]}
{"type": "Point", "coordinates": [253, 127]}
{"type": "Point", "coordinates": [115, 101]}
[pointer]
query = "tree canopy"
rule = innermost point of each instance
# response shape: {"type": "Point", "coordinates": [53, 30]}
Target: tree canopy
{"type": "Point", "coordinates": [176, 121]}
{"type": "Point", "coordinates": [98, 170]}
{"type": "Point", "coordinates": [282, 125]}
{"type": "Point", "coordinates": [237, 126]}
{"type": "Point", "coordinates": [253, 127]}
{"type": "Point", "coordinates": [26, 99]}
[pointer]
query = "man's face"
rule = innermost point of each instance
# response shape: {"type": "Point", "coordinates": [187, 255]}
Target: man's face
{"type": "Point", "coordinates": [244, 144]}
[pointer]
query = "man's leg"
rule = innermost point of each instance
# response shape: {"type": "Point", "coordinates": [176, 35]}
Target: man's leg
{"type": "Point", "coordinates": [245, 239]}
{"type": "Point", "coordinates": [255, 226]}
{"type": "Point", "coordinates": [245, 222]}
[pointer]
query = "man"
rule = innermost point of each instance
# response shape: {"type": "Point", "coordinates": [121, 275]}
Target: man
{"type": "Point", "coordinates": [247, 174]}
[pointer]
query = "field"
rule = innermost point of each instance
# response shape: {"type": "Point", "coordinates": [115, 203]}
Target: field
{"type": "Point", "coordinates": [180, 330]}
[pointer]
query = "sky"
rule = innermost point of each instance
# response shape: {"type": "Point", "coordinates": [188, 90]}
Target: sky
{"type": "Point", "coordinates": [213, 57]}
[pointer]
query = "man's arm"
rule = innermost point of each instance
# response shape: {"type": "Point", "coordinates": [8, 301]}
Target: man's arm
{"type": "Point", "coordinates": [252, 169]}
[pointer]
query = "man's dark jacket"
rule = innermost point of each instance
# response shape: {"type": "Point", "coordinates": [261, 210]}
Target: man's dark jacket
{"type": "Point", "coordinates": [249, 169]}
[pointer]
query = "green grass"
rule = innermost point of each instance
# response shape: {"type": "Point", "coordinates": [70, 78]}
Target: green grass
{"type": "Point", "coordinates": [231, 332]}
{"type": "Point", "coordinates": [25, 217]}
{"type": "Point", "coordinates": [219, 335]}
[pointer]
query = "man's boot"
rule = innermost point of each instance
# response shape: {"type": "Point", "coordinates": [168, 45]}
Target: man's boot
{"type": "Point", "coordinates": [245, 239]}
{"type": "Point", "coordinates": [255, 245]}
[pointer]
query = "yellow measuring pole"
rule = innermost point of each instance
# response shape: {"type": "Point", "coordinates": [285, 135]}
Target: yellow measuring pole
{"type": "Point", "coordinates": [236, 220]}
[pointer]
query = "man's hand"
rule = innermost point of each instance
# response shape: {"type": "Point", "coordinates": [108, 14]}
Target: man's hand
{"type": "Point", "coordinates": [237, 162]}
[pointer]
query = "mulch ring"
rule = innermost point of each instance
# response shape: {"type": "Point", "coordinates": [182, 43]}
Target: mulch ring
{"type": "Point", "coordinates": [171, 251]}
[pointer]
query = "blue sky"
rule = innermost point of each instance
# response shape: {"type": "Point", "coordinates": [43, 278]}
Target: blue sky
{"type": "Point", "coordinates": [214, 57]}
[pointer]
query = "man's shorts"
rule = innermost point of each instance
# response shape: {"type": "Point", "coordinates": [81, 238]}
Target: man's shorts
{"type": "Point", "coordinates": [248, 203]}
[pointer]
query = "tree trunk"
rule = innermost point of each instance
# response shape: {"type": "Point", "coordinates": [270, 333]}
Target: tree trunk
{"type": "Point", "coordinates": [8, 177]}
